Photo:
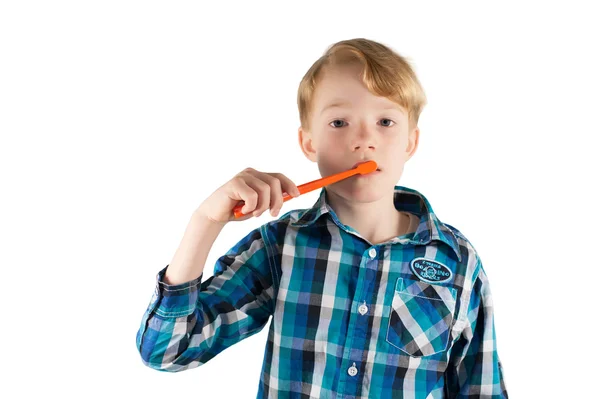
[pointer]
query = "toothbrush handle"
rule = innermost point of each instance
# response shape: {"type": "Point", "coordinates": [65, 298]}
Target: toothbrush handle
{"type": "Point", "coordinates": [305, 188]}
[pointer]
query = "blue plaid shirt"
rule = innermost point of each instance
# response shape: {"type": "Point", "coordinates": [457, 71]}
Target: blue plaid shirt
{"type": "Point", "coordinates": [411, 317]}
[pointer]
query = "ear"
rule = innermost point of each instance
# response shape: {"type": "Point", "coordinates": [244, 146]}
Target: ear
{"type": "Point", "coordinates": [413, 142]}
{"type": "Point", "coordinates": [306, 144]}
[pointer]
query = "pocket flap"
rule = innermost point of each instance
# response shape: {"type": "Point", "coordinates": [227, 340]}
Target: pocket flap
{"type": "Point", "coordinates": [426, 290]}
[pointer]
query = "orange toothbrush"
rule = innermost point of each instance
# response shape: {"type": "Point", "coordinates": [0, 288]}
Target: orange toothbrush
{"type": "Point", "coordinates": [363, 169]}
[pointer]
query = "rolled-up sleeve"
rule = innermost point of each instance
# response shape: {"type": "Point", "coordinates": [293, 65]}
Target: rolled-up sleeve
{"type": "Point", "coordinates": [475, 370]}
{"type": "Point", "coordinates": [186, 325]}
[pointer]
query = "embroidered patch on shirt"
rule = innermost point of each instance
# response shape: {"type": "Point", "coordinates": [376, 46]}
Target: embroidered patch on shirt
{"type": "Point", "coordinates": [430, 271]}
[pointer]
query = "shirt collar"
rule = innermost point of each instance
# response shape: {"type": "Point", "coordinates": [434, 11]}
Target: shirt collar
{"type": "Point", "coordinates": [405, 199]}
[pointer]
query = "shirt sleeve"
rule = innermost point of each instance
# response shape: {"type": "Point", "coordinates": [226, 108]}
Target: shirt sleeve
{"type": "Point", "coordinates": [187, 324]}
{"type": "Point", "coordinates": [475, 370]}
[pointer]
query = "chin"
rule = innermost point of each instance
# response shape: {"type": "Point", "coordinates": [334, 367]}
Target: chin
{"type": "Point", "coordinates": [360, 193]}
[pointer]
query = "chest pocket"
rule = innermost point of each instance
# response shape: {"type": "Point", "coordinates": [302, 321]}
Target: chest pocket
{"type": "Point", "coordinates": [421, 317]}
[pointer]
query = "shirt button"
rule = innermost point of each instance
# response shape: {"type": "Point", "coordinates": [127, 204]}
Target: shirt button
{"type": "Point", "coordinates": [372, 252]}
{"type": "Point", "coordinates": [362, 309]}
{"type": "Point", "coordinates": [353, 370]}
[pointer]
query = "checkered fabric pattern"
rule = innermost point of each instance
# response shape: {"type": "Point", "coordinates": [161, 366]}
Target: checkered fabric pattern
{"type": "Point", "coordinates": [348, 319]}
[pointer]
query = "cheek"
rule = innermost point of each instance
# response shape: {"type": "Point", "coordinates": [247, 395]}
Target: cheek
{"type": "Point", "coordinates": [331, 147]}
{"type": "Point", "coordinates": [330, 162]}
{"type": "Point", "coordinates": [328, 139]}
{"type": "Point", "coordinates": [331, 157]}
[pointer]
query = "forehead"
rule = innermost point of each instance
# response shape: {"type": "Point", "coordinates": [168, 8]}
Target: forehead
{"type": "Point", "coordinates": [342, 86]}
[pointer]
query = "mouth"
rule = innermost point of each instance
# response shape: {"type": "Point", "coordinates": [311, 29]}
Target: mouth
{"type": "Point", "coordinates": [358, 163]}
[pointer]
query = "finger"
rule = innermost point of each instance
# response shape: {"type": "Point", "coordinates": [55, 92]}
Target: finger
{"type": "Point", "coordinates": [276, 194]}
{"type": "Point", "coordinates": [263, 191]}
{"type": "Point", "coordinates": [252, 178]}
{"type": "Point", "coordinates": [246, 193]}
{"type": "Point", "coordinates": [288, 185]}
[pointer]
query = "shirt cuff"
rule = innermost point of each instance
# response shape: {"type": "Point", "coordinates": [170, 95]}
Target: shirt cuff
{"type": "Point", "coordinates": [175, 300]}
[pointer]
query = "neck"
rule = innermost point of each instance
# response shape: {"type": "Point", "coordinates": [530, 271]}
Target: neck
{"type": "Point", "coordinates": [376, 221]}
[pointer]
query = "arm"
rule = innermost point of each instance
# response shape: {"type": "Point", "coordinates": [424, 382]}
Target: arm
{"type": "Point", "coordinates": [189, 259]}
{"type": "Point", "coordinates": [189, 323]}
{"type": "Point", "coordinates": [475, 370]}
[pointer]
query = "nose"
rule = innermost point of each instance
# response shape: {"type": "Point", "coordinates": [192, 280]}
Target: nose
{"type": "Point", "coordinates": [365, 139]}
{"type": "Point", "coordinates": [358, 147]}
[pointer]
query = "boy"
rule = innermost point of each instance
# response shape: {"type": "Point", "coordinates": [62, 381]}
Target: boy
{"type": "Point", "coordinates": [371, 295]}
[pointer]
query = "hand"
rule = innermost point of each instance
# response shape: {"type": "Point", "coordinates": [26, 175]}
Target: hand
{"type": "Point", "coordinates": [259, 190]}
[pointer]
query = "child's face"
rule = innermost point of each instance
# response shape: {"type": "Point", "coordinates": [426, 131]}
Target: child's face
{"type": "Point", "coordinates": [365, 127]}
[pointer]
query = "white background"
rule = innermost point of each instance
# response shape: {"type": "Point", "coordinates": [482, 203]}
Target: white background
{"type": "Point", "coordinates": [118, 118]}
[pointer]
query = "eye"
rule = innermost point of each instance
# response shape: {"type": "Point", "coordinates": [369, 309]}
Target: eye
{"type": "Point", "coordinates": [337, 125]}
{"type": "Point", "coordinates": [388, 120]}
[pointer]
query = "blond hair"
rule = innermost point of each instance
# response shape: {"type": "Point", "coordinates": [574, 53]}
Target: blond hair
{"type": "Point", "coordinates": [385, 73]}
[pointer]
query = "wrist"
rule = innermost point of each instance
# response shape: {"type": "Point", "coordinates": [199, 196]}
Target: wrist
{"type": "Point", "coordinates": [202, 218]}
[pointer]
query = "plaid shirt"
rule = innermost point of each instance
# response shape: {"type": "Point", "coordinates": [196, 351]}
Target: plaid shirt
{"type": "Point", "coordinates": [411, 317]}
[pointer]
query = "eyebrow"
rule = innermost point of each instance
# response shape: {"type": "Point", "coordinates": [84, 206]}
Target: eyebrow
{"type": "Point", "coordinates": [342, 103]}
{"type": "Point", "coordinates": [337, 103]}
